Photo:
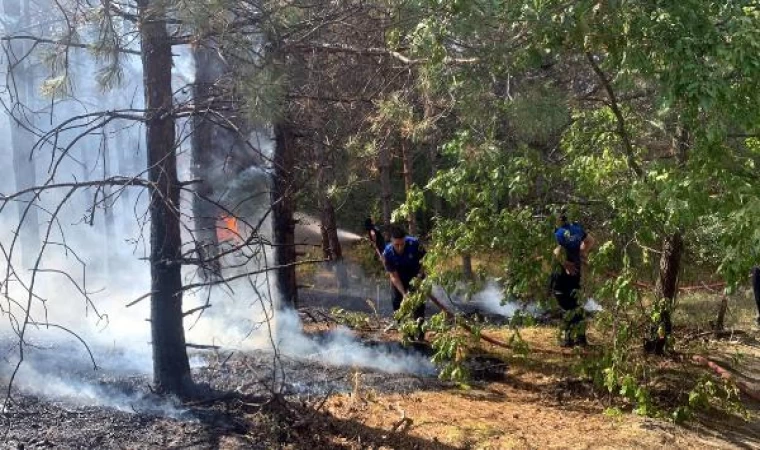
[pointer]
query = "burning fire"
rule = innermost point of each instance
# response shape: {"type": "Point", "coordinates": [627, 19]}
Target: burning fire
{"type": "Point", "coordinates": [227, 229]}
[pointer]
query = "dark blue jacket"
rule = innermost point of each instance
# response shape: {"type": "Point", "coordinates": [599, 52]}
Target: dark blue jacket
{"type": "Point", "coordinates": [408, 264]}
{"type": "Point", "coordinates": [570, 236]}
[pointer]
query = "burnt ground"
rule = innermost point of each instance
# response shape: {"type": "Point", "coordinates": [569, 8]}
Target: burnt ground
{"type": "Point", "coordinates": [514, 401]}
{"type": "Point", "coordinates": [235, 408]}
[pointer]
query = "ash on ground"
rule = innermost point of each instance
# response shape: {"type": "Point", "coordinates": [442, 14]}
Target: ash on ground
{"type": "Point", "coordinates": [123, 412]}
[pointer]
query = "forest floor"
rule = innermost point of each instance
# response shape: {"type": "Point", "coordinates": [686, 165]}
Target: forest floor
{"type": "Point", "coordinates": [541, 403]}
{"type": "Point", "coordinates": [515, 400]}
{"type": "Point", "coordinates": [529, 402]}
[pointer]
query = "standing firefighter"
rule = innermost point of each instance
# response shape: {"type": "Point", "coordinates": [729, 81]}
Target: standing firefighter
{"type": "Point", "coordinates": [574, 245]}
{"type": "Point", "coordinates": [375, 237]}
{"type": "Point", "coordinates": [403, 262]}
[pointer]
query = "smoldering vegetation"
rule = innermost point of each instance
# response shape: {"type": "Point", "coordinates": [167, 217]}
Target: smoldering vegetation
{"type": "Point", "coordinates": [67, 335]}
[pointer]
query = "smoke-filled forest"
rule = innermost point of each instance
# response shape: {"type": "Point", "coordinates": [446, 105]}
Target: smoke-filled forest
{"type": "Point", "coordinates": [402, 224]}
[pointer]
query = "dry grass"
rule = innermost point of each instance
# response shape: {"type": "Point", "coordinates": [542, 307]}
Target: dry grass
{"type": "Point", "coordinates": [700, 309]}
{"type": "Point", "coordinates": [534, 407]}
{"type": "Point", "coordinates": [539, 405]}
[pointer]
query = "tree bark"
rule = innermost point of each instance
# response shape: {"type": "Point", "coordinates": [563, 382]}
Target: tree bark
{"type": "Point", "coordinates": [434, 162]}
{"type": "Point", "coordinates": [667, 287]}
{"type": "Point", "coordinates": [467, 267]}
{"type": "Point", "coordinates": [331, 247]}
{"type": "Point", "coordinates": [432, 149]}
{"type": "Point", "coordinates": [384, 163]}
{"type": "Point", "coordinates": [205, 213]}
{"type": "Point", "coordinates": [108, 205]}
{"type": "Point", "coordinates": [670, 264]}
{"type": "Point", "coordinates": [720, 322]}
{"type": "Point", "coordinates": [283, 208]}
{"type": "Point", "coordinates": [22, 140]}
{"type": "Point", "coordinates": [171, 369]}
{"type": "Point", "coordinates": [408, 182]}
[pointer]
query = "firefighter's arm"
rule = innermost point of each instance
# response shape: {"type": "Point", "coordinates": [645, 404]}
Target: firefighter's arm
{"type": "Point", "coordinates": [396, 281]}
{"type": "Point", "coordinates": [567, 265]}
{"type": "Point", "coordinates": [371, 241]}
{"type": "Point", "coordinates": [587, 244]}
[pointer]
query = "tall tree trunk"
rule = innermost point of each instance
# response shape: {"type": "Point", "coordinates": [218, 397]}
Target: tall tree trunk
{"type": "Point", "coordinates": [108, 204]}
{"type": "Point", "coordinates": [328, 225]}
{"type": "Point", "coordinates": [384, 163]}
{"type": "Point", "coordinates": [334, 251]}
{"type": "Point", "coordinates": [323, 198]}
{"type": "Point", "coordinates": [22, 140]}
{"type": "Point", "coordinates": [720, 321]}
{"type": "Point", "coordinates": [205, 213]}
{"type": "Point", "coordinates": [437, 201]}
{"type": "Point", "coordinates": [171, 369]}
{"type": "Point", "coordinates": [408, 182]}
{"type": "Point", "coordinates": [667, 287]}
{"type": "Point", "coordinates": [670, 264]}
{"type": "Point", "coordinates": [432, 149]}
{"type": "Point", "coordinates": [283, 208]}
{"type": "Point", "coordinates": [467, 266]}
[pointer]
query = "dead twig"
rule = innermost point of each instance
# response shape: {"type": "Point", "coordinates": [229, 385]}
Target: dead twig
{"type": "Point", "coordinates": [402, 424]}
{"type": "Point", "coordinates": [195, 310]}
{"type": "Point", "coordinates": [202, 347]}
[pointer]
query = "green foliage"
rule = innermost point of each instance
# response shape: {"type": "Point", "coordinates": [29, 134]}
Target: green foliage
{"type": "Point", "coordinates": [415, 201]}
{"type": "Point", "coordinates": [644, 150]}
{"type": "Point", "coordinates": [707, 393]}
{"type": "Point", "coordinates": [352, 319]}
{"type": "Point", "coordinates": [451, 348]}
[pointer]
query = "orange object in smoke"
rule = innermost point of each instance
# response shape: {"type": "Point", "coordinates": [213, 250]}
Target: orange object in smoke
{"type": "Point", "coordinates": [227, 229]}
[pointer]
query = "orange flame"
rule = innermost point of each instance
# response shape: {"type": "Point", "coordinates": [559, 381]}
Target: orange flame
{"type": "Point", "coordinates": [227, 229]}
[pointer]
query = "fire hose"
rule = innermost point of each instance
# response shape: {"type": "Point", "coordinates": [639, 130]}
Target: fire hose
{"type": "Point", "coordinates": [467, 327]}
{"type": "Point", "coordinates": [724, 374]}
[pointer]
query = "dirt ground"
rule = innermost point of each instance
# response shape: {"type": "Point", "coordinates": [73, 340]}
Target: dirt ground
{"type": "Point", "coordinates": [532, 402]}
{"type": "Point", "coordinates": [538, 404]}
{"type": "Point", "coordinates": [515, 401]}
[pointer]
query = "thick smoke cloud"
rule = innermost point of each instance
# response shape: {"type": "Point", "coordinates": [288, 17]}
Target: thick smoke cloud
{"type": "Point", "coordinates": [99, 263]}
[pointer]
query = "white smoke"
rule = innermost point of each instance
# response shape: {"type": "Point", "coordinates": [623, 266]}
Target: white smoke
{"type": "Point", "coordinates": [592, 306]}
{"type": "Point", "coordinates": [493, 301]}
{"type": "Point", "coordinates": [58, 373]}
{"type": "Point", "coordinates": [89, 266]}
{"type": "Point", "coordinates": [490, 299]}
{"type": "Point", "coordinates": [284, 331]}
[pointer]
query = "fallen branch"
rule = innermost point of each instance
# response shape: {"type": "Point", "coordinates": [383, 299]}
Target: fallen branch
{"type": "Point", "coordinates": [203, 347]}
{"type": "Point", "coordinates": [696, 287]}
{"type": "Point", "coordinates": [467, 327]}
{"type": "Point", "coordinates": [726, 375]}
{"type": "Point", "coordinates": [402, 424]}
{"type": "Point", "coordinates": [224, 363]}
{"type": "Point", "coordinates": [722, 334]}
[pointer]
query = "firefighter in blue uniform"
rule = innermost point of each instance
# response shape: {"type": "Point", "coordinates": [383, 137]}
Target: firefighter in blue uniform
{"type": "Point", "coordinates": [571, 252]}
{"type": "Point", "coordinates": [403, 262]}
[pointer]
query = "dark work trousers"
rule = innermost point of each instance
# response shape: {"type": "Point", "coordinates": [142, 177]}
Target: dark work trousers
{"type": "Point", "coordinates": [566, 291]}
{"type": "Point", "coordinates": [756, 289]}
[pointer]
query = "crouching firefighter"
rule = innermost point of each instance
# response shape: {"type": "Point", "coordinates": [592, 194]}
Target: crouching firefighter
{"type": "Point", "coordinates": [403, 262]}
{"type": "Point", "coordinates": [571, 253]}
